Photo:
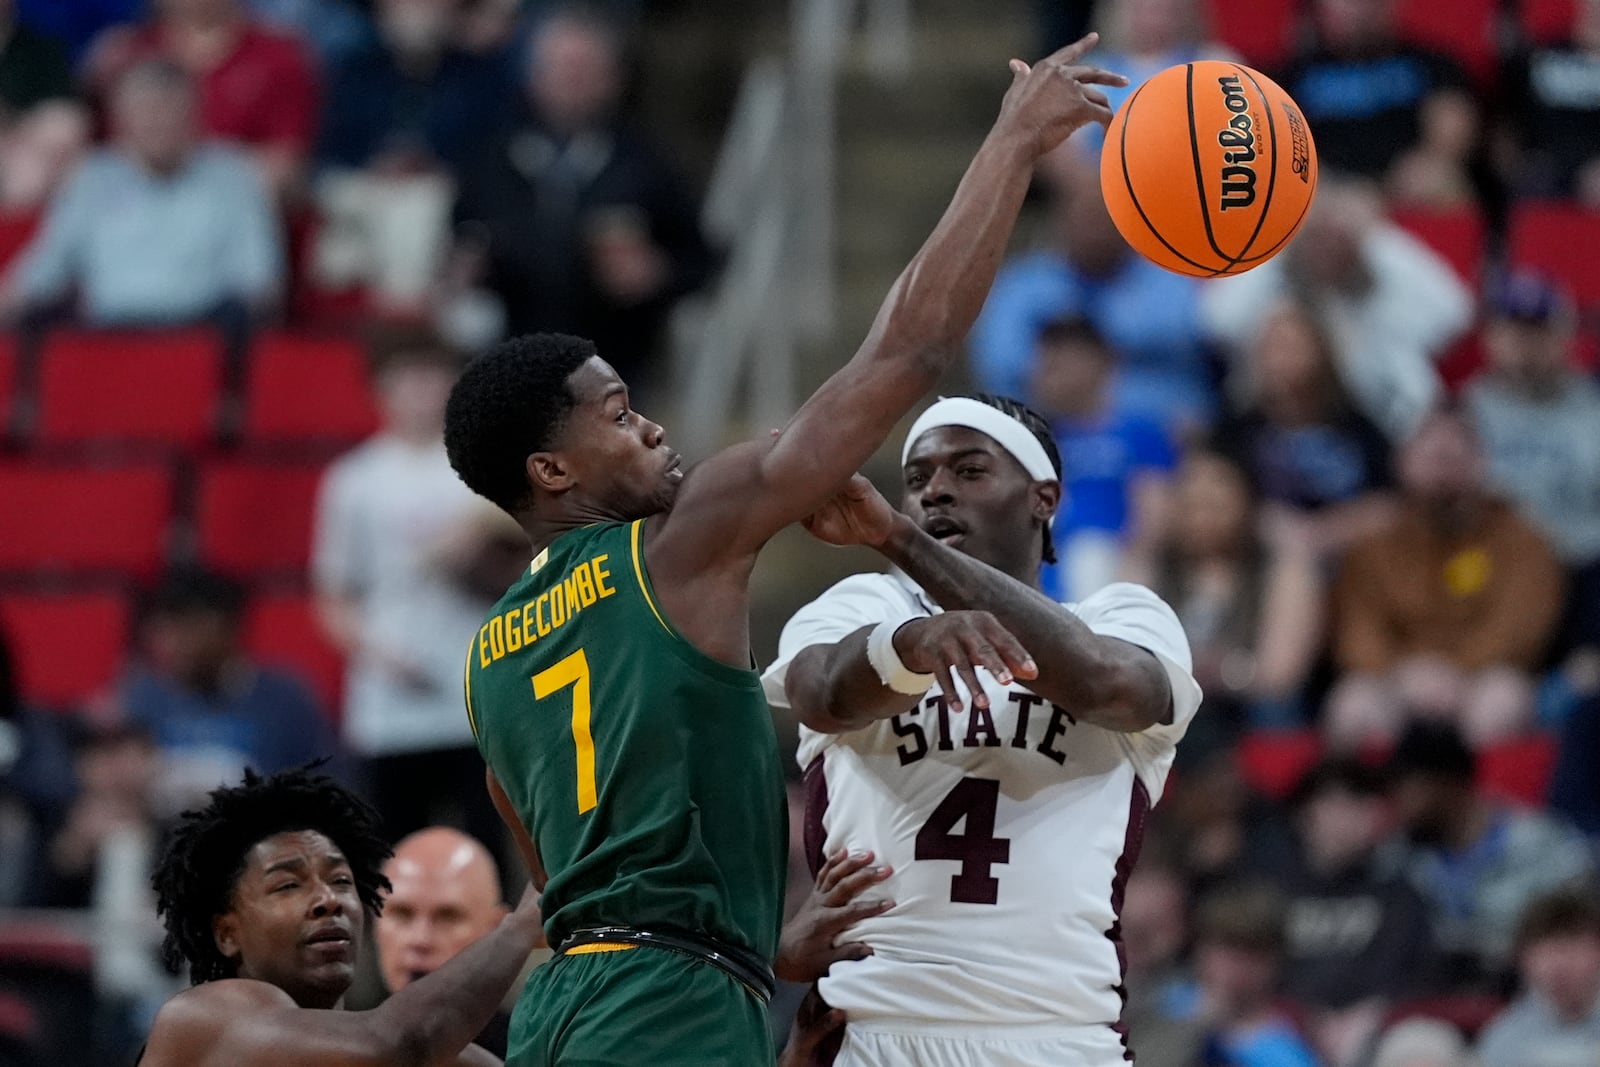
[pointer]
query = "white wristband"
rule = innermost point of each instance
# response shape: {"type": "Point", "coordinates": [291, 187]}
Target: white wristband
{"type": "Point", "coordinates": [886, 661]}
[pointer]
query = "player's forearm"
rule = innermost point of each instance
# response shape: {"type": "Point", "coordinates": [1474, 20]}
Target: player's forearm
{"type": "Point", "coordinates": [436, 1017]}
{"type": "Point", "coordinates": [834, 689]}
{"type": "Point", "coordinates": [1102, 680]}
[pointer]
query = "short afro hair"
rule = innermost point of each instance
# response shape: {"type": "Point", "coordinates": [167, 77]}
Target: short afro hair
{"type": "Point", "coordinates": [1035, 424]}
{"type": "Point", "coordinates": [205, 856]}
{"type": "Point", "coordinates": [509, 403]}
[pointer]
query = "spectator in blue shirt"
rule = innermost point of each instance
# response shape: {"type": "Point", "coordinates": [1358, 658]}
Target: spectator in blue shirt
{"type": "Point", "coordinates": [1383, 108]}
{"type": "Point", "coordinates": [210, 710]}
{"type": "Point", "coordinates": [1115, 466]}
{"type": "Point", "coordinates": [158, 228]}
{"type": "Point", "coordinates": [1149, 315]}
{"type": "Point", "coordinates": [1239, 943]}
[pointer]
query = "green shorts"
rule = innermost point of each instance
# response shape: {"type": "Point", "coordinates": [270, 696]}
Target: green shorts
{"type": "Point", "coordinates": [642, 1006]}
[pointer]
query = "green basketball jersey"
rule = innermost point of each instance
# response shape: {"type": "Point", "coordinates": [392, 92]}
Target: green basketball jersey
{"type": "Point", "coordinates": [646, 771]}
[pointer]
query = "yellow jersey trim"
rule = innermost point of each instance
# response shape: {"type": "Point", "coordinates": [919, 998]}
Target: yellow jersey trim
{"type": "Point", "coordinates": [472, 720]}
{"type": "Point", "coordinates": [638, 572]}
{"type": "Point", "coordinates": [598, 946]}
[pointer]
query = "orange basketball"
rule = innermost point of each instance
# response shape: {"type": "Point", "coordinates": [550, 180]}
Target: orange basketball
{"type": "Point", "coordinates": [1208, 169]}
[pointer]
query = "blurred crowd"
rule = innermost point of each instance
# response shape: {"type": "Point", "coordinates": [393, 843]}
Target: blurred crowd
{"type": "Point", "coordinates": [1366, 475]}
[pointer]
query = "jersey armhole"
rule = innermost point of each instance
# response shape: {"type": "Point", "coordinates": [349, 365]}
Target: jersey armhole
{"type": "Point", "coordinates": [472, 719]}
{"type": "Point", "coordinates": [682, 647]}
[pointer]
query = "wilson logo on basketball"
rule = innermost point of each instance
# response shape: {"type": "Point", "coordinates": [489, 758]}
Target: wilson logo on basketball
{"type": "Point", "coordinates": [1238, 180]}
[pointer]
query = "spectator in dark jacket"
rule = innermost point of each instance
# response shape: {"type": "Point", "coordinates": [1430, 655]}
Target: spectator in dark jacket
{"type": "Point", "coordinates": [582, 224]}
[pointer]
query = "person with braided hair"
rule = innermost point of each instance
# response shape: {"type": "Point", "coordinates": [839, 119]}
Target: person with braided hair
{"type": "Point", "coordinates": [266, 894]}
{"type": "Point", "coordinates": [1001, 797]}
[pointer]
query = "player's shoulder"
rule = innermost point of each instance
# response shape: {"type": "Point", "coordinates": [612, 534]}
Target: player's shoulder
{"type": "Point", "coordinates": [1121, 597]}
{"type": "Point", "coordinates": [871, 590]}
{"type": "Point", "coordinates": [210, 1005]}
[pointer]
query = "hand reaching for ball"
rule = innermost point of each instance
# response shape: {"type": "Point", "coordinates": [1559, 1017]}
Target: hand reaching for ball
{"type": "Point", "coordinates": [1056, 95]}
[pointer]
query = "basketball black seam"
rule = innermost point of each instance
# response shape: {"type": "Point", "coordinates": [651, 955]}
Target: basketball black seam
{"type": "Point", "coordinates": [1127, 179]}
{"type": "Point", "coordinates": [1286, 238]}
{"type": "Point", "coordinates": [1272, 175]}
{"type": "Point", "coordinates": [1199, 171]}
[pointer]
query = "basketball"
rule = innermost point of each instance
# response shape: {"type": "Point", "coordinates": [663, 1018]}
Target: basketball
{"type": "Point", "coordinates": [1208, 169]}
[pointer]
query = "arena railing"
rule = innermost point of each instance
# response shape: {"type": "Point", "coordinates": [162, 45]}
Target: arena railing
{"type": "Point", "coordinates": [771, 203]}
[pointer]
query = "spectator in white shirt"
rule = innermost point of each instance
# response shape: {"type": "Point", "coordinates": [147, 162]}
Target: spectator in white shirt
{"type": "Point", "coordinates": [400, 564]}
{"type": "Point", "coordinates": [1391, 305]}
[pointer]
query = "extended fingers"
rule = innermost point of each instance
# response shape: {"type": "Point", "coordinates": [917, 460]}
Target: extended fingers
{"type": "Point", "coordinates": [840, 865]}
{"type": "Point", "coordinates": [856, 882]}
{"type": "Point", "coordinates": [1096, 76]}
{"type": "Point", "coordinates": [1013, 658]}
{"type": "Point", "coordinates": [843, 876]}
{"type": "Point", "coordinates": [1074, 51]}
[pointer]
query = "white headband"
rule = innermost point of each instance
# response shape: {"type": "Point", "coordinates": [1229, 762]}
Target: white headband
{"type": "Point", "coordinates": [1007, 432]}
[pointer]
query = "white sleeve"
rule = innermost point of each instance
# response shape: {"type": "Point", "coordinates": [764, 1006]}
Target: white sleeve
{"type": "Point", "coordinates": [858, 601]}
{"type": "Point", "coordinates": [339, 555]}
{"type": "Point", "coordinates": [1134, 614]}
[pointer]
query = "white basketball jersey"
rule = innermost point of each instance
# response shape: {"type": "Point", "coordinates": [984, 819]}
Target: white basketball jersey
{"type": "Point", "coordinates": [1011, 831]}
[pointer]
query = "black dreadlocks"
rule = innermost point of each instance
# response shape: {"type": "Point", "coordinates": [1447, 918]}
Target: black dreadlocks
{"type": "Point", "coordinates": [197, 875]}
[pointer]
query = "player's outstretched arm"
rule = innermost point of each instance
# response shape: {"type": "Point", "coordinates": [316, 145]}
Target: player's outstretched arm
{"type": "Point", "coordinates": [838, 685]}
{"type": "Point", "coordinates": [242, 1023]}
{"type": "Point", "coordinates": [735, 501]}
{"type": "Point", "coordinates": [1104, 680]}
{"type": "Point", "coordinates": [991, 620]}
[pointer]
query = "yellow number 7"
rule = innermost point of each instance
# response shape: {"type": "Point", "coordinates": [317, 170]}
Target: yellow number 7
{"type": "Point", "coordinates": [574, 671]}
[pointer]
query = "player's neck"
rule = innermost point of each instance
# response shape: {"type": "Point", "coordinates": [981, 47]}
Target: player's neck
{"type": "Point", "coordinates": [544, 526]}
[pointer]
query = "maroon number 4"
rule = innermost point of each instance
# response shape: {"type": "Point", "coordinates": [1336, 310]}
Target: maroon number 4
{"type": "Point", "coordinates": [975, 847]}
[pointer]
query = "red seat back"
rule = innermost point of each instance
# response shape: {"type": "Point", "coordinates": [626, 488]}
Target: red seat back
{"type": "Point", "coordinates": [8, 378]}
{"type": "Point", "coordinates": [1518, 770]}
{"type": "Point", "coordinates": [256, 516]}
{"type": "Point", "coordinates": [149, 386]}
{"type": "Point", "coordinates": [1466, 31]}
{"type": "Point", "coordinates": [1272, 762]}
{"type": "Point", "coordinates": [65, 518]}
{"type": "Point", "coordinates": [1547, 21]}
{"type": "Point", "coordinates": [1559, 238]}
{"type": "Point", "coordinates": [67, 647]}
{"type": "Point", "coordinates": [308, 389]}
{"type": "Point", "coordinates": [282, 629]}
{"type": "Point", "coordinates": [1261, 31]}
{"type": "Point", "coordinates": [16, 230]}
{"type": "Point", "coordinates": [1459, 236]}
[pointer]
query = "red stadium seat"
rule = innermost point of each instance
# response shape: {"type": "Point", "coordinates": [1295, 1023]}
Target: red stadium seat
{"type": "Point", "coordinates": [1272, 762]}
{"type": "Point", "coordinates": [1466, 32]}
{"type": "Point", "coordinates": [57, 517]}
{"type": "Point", "coordinates": [148, 386]}
{"type": "Point", "coordinates": [1559, 238]}
{"type": "Point", "coordinates": [1460, 236]}
{"type": "Point", "coordinates": [16, 230]}
{"type": "Point", "coordinates": [1518, 770]}
{"type": "Point", "coordinates": [308, 389]}
{"type": "Point", "coordinates": [1547, 21]}
{"type": "Point", "coordinates": [256, 516]}
{"type": "Point", "coordinates": [8, 379]}
{"type": "Point", "coordinates": [67, 647]}
{"type": "Point", "coordinates": [1262, 32]}
{"type": "Point", "coordinates": [282, 629]}
{"type": "Point", "coordinates": [1467, 1012]}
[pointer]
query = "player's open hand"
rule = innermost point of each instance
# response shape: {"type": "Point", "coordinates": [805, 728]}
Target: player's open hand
{"type": "Point", "coordinates": [856, 515]}
{"type": "Point", "coordinates": [814, 1024]}
{"type": "Point", "coordinates": [807, 949]}
{"type": "Point", "coordinates": [961, 642]}
{"type": "Point", "coordinates": [1056, 95]}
